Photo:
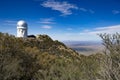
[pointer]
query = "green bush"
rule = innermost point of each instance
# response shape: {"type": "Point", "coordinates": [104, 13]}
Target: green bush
{"type": "Point", "coordinates": [45, 59]}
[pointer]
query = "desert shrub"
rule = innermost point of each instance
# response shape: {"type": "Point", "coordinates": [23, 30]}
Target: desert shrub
{"type": "Point", "coordinates": [45, 59]}
{"type": "Point", "coordinates": [15, 62]}
{"type": "Point", "coordinates": [111, 61]}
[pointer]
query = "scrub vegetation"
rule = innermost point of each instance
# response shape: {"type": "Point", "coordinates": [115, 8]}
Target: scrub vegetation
{"type": "Point", "coordinates": [41, 58]}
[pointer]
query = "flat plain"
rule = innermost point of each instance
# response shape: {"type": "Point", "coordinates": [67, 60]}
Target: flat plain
{"type": "Point", "coordinates": [85, 47]}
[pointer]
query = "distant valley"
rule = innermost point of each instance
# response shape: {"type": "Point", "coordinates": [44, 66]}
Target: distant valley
{"type": "Point", "coordinates": [85, 47]}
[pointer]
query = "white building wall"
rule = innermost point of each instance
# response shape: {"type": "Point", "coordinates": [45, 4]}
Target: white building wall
{"type": "Point", "coordinates": [22, 29]}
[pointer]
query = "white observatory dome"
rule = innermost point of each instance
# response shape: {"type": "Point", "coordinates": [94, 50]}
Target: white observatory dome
{"type": "Point", "coordinates": [21, 23]}
{"type": "Point", "coordinates": [22, 29]}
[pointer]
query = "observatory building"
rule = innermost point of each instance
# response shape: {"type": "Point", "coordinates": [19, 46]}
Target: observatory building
{"type": "Point", "coordinates": [22, 28]}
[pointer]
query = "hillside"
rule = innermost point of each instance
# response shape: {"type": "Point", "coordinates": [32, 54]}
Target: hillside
{"type": "Point", "coordinates": [41, 58]}
{"type": "Point", "coordinates": [23, 58]}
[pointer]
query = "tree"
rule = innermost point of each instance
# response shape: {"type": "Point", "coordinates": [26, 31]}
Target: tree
{"type": "Point", "coordinates": [111, 62]}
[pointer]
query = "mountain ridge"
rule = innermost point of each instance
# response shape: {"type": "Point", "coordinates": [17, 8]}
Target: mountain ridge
{"type": "Point", "coordinates": [42, 58]}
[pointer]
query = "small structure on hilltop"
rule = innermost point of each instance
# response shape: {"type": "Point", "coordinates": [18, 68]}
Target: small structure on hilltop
{"type": "Point", "coordinates": [22, 29]}
{"type": "Point", "coordinates": [22, 32]}
{"type": "Point", "coordinates": [31, 36]}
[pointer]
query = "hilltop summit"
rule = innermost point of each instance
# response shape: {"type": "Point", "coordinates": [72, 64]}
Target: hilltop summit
{"type": "Point", "coordinates": [45, 44]}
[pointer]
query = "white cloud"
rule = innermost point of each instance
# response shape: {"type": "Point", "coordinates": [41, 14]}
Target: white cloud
{"type": "Point", "coordinates": [115, 27]}
{"type": "Point", "coordinates": [91, 34]}
{"type": "Point", "coordinates": [46, 27]}
{"type": "Point", "coordinates": [91, 11]}
{"type": "Point", "coordinates": [10, 22]}
{"type": "Point", "coordinates": [64, 7]}
{"type": "Point", "coordinates": [46, 21]}
{"type": "Point", "coordinates": [108, 29]}
{"type": "Point", "coordinates": [83, 9]}
{"type": "Point", "coordinates": [116, 12]}
{"type": "Point", "coordinates": [86, 30]}
{"type": "Point", "coordinates": [87, 10]}
{"type": "Point", "coordinates": [69, 29]}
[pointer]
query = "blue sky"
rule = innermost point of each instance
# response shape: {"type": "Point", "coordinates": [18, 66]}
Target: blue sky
{"type": "Point", "coordinates": [78, 20]}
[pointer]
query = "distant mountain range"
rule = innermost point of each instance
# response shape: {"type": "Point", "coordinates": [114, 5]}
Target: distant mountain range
{"type": "Point", "coordinates": [82, 43]}
{"type": "Point", "coordinates": [85, 47]}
